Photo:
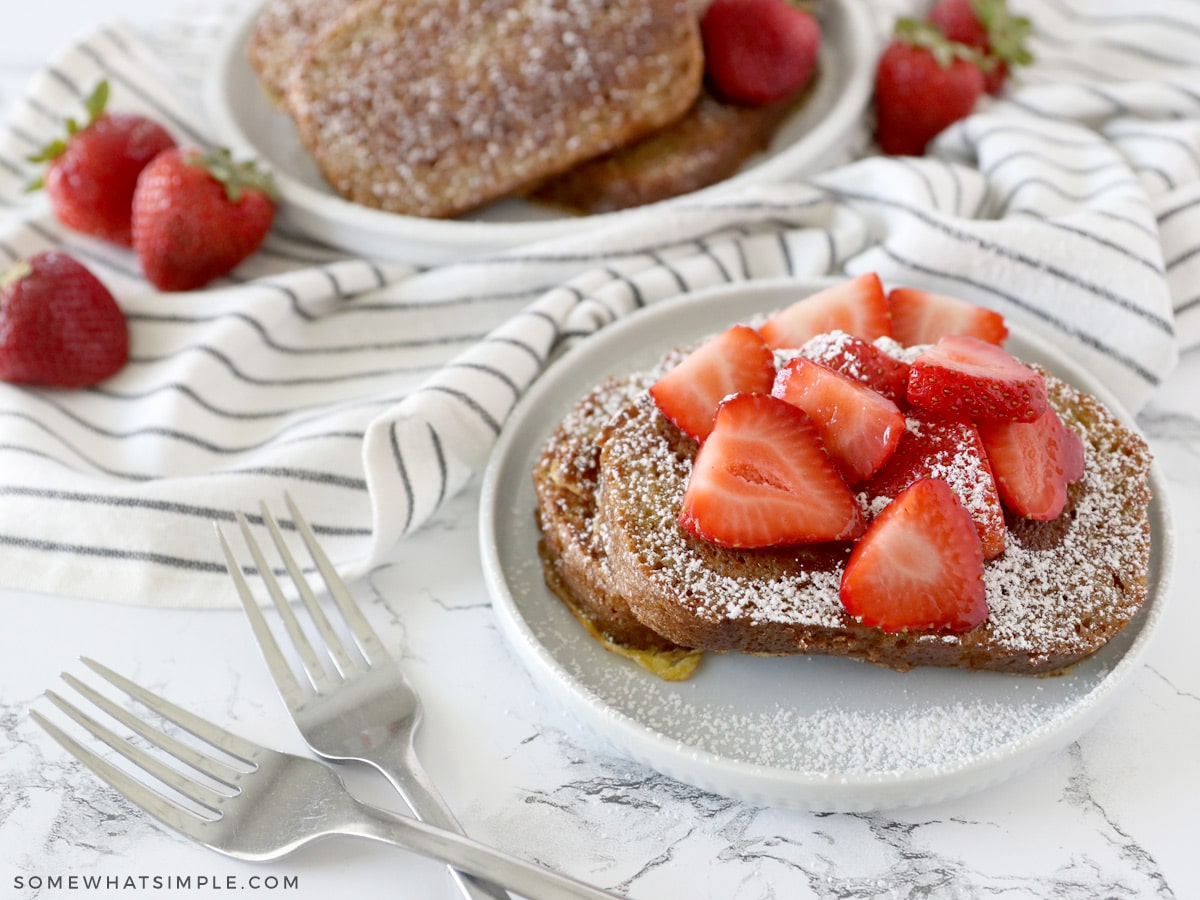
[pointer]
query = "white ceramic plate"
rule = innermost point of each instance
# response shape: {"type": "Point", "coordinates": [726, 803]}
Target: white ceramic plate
{"type": "Point", "coordinates": [803, 732]}
{"type": "Point", "coordinates": [247, 122]}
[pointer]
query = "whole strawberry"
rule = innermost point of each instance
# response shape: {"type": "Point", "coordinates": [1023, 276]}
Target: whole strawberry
{"type": "Point", "coordinates": [923, 84]}
{"type": "Point", "coordinates": [197, 214]}
{"type": "Point", "coordinates": [91, 175]}
{"type": "Point", "coordinates": [988, 26]}
{"type": "Point", "coordinates": [59, 325]}
{"type": "Point", "coordinates": [758, 51]}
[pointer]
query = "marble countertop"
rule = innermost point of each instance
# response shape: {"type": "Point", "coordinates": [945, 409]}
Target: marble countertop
{"type": "Point", "coordinates": [1111, 815]}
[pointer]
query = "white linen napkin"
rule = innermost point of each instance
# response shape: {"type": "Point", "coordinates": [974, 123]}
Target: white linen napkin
{"type": "Point", "coordinates": [372, 392]}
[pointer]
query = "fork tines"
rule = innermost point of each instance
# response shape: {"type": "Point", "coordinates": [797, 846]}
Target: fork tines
{"type": "Point", "coordinates": [365, 638]}
{"type": "Point", "coordinates": [205, 796]}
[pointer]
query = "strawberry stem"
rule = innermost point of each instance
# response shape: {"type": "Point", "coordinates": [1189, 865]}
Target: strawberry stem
{"type": "Point", "coordinates": [15, 273]}
{"type": "Point", "coordinates": [94, 106]}
{"type": "Point", "coordinates": [929, 37]}
{"type": "Point", "coordinates": [96, 102]}
{"type": "Point", "coordinates": [235, 176]}
{"type": "Point", "coordinates": [1006, 33]}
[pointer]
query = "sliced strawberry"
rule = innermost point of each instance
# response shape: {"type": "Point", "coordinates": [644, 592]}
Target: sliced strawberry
{"type": "Point", "coordinates": [737, 360]}
{"type": "Point", "coordinates": [861, 360]}
{"type": "Point", "coordinates": [763, 479]}
{"type": "Point", "coordinates": [857, 306]}
{"type": "Point", "coordinates": [858, 426]}
{"type": "Point", "coordinates": [1033, 463]}
{"type": "Point", "coordinates": [919, 566]}
{"type": "Point", "coordinates": [922, 317]}
{"type": "Point", "coordinates": [1072, 459]}
{"type": "Point", "coordinates": [965, 377]}
{"type": "Point", "coordinates": [952, 450]}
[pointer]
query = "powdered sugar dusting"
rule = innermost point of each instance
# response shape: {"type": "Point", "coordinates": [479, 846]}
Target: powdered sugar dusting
{"type": "Point", "coordinates": [655, 476]}
{"type": "Point", "coordinates": [952, 452]}
{"type": "Point", "coordinates": [1057, 592]}
{"type": "Point", "coordinates": [431, 108]}
{"type": "Point", "coordinates": [834, 722]}
{"type": "Point", "coordinates": [846, 741]}
{"type": "Point", "coordinates": [882, 724]}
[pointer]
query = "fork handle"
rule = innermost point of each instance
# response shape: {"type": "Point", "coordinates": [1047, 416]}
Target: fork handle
{"type": "Point", "coordinates": [399, 763]}
{"type": "Point", "coordinates": [495, 866]}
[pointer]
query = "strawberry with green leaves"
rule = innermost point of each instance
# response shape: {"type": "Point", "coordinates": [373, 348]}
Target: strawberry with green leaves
{"type": "Point", "coordinates": [91, 174]}
{"type": "Point", "coordinates": [989, 27]}
{"type": "Point", "coordinates": [59, 325]}
{"type": "Point", "coordinates": [924, 83]}
{"type": "Point", "coordinates": [197, 215]}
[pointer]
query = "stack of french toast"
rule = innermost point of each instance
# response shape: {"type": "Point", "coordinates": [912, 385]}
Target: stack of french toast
{"type": "Point", "coordinates": [435, 109]}
{"type": "Point", "coordinates": [860, 474]}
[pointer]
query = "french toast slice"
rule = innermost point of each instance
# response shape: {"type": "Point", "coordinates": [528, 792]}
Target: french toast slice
{"type": "Point", "coordinates": [1059, 591]}
{"type": "Point", "coordinates": [709, 144]}
{"type": "Point", "coordinates": [430, 109]}
{"type": "Point", "coordinates": [571, 548]}
{"type": "Point", "coordinates": [566, 479]}
{"type": "Point", "coordinates": [281, 33]}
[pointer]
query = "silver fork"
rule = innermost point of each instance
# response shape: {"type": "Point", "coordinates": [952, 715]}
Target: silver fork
{"type": "Point", "coordinates": [364, 709]}
{"type": "Point", "coordinates": [259, 804]}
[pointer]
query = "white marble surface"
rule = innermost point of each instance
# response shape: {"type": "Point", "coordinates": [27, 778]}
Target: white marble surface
{"type": "Point", "coordinates": [1112, 815]}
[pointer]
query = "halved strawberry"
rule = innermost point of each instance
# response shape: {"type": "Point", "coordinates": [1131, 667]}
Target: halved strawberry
{"type": "Point", "coordinates": [736, 360]}
{"type": "Point", "coordinates": [919, 566]}
{"type": "Point", "coordinates": [857, 306]}
{"type": "Point", "coordinates": [965, 377]}
{"type": "Point", "coordinates": [763, 479]}
{"type": "Point", "coordinates": [858, 426]}
{"type": "Point", "coordinates": [861, 360]}
{"type": "Point", "coordinates": [952, 450]}
{"type": "Point", "coordinates": [922, 317]}
{"type": "Point", "coordinates": [1033, 463]}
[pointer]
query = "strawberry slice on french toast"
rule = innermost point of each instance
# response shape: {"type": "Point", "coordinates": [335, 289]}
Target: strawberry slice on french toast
{"type": "Point", "coordinates": [924, 317]}
{"type": "Point", "coordinates": [762, 479]}
{"type": "Point", "coordinates": [972, 379]}
{"type": "Point", "coordinates": [919, 566]}
{"type": "Point", "coordinates": [735, 361]}
{"type": "Point", "coordinates": [858, 307]}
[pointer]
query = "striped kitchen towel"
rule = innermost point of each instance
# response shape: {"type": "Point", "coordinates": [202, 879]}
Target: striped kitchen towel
{"type": "Point", "coordinates": [373, 391]}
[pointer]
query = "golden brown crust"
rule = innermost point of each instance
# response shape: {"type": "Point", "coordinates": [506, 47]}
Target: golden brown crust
{"type": "Point", "coordinates": [708, 145]}
{"type": "Point", "coordinates": [433, 109]}
{"type": "Point", "coordinates": [571, 549]}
